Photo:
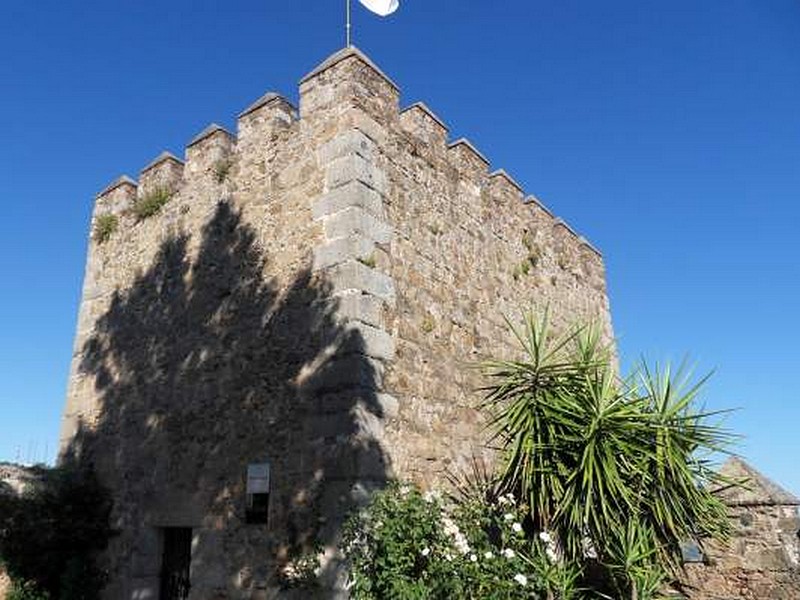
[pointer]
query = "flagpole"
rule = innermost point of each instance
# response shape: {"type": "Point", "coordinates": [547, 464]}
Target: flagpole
{"type": "Point", "coordinates": [348, 24]}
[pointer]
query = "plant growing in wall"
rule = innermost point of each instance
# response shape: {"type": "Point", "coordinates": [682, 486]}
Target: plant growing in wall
{"type": "Point", "coordinates": [104, 227]}
{"type": "Point", "coordinates": [222, 170]}
{"type": "Point", "coordinates": [152, 202]}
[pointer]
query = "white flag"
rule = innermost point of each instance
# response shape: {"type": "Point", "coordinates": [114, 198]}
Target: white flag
{"type": "Point", "coordinates": [381, 7]}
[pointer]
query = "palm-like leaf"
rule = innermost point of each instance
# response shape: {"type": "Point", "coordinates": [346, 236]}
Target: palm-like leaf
{"type": "Point", "coordinates": [591, 453]}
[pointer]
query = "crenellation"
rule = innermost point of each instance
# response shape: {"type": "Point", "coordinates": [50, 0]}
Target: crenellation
{"type": "Point", "coordinates": [587, 244]}
{"type": "Point", "coordinates": [349, 80]}
{"type": "Point", "coordinates": [267, 114]}
{"type": "Point", "coordinates": [210, 151]}
{"type": "Point", "coordinates": [504, 187]}
{"type": "Point", "coordinates": [472, 169]}
{"type": "Point", "coordinates": [533, 200]}
{"type": "Point", "coordinates": [117, 197]}
{"type": "Point", "coordinates": [165, 172]}
{"type": "Point", "coordinates": [422, 122]}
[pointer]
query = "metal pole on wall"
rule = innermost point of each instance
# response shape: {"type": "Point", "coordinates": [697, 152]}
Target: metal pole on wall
{"type": "Point", "coordinates": [348, 24]}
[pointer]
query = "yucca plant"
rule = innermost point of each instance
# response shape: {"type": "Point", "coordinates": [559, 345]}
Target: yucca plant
{"type": "Point", "coordinates": [591, 452]}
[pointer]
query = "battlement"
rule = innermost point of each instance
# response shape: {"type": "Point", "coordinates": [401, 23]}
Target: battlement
{"type": "Point", "coordinates": [350, 79]}
{"type": "Point", "coordinates": [304, 290]}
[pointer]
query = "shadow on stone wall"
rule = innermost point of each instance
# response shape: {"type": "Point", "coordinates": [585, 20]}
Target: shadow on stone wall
{"type": "Point", "coordinates": [203, 366]}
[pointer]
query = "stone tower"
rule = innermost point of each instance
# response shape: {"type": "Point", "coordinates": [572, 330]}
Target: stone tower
{"type": "Point", "coordinates": [277, 323]}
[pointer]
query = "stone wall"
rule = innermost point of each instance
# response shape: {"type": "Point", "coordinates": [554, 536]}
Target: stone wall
{"type": "Point", "coordinates": [311, 295]}
{"type": "Point", "coordinates": [762, 558]}
{"type": "Point", "coordinates": [759, 562]}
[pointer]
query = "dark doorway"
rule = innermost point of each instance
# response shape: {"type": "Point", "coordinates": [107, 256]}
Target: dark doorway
{"type": "Point", "coordinates": [175, 563]}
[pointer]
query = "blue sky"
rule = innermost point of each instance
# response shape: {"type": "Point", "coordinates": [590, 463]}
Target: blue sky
{"type": "Point", "coordinates": [668, 133]}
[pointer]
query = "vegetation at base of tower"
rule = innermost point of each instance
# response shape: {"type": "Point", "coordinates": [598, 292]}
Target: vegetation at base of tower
{"type": "Point", "coordinates": [406, 545]}
{"type": "Point", "coordinates": [152, 203]}
{"type": "Point", "coordinates": [618, 470]}
{"type": "Point", "coordinates": [51, 535]}
{"type": "Point", "coordinates": [222, 170]}
{"type": "Point", "coordinates": [25, 591]}
{"type": "Point", "coordinates": [599, 480]}
{"type": "Point", "coordinates": [104, 227]}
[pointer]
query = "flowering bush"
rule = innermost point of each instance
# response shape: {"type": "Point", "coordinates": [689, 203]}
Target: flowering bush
{"type": "Point", "coordinates": [409, 545]}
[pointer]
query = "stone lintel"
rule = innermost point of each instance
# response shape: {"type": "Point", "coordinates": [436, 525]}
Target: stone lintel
{"type": "Point", "coordinates": [344, 54]}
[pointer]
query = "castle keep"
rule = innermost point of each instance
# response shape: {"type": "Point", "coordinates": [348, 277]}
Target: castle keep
{"type": "Point", "coordinates": [295, 325]}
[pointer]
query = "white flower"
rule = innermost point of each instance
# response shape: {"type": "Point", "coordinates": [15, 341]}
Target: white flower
{"type": "Point", "coordinates": [521, 579]}
{"type": "Point", "coordinates": [404, 489]}
{"type": "Point", "coordinates": [545, 537]}
{"type": "Point", "coordinates": [431, 496]}
{"type": "Point", "coordinates": [426, 551]}
{"type": "Point", "coordinates": [508, 553]}
{"type": "Point", "coordinates": [473, 558]}
{"type": "Point", "coordinates": [516, 527]}
{"type": "Point", "coordinates": [506, 499]}
{"type": "Point", "coordinates": [488, 555]}
{"type": "Point", "coordinates": [508, 517]}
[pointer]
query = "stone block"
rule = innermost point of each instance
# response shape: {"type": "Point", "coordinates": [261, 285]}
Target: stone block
{"type": "Point", "coordinates": [356, 221]}
{"type": "Point", "coordinates": [345, 169]}
{"type": "Point", "coordinates": [343, 249]}
{"type": "Point", "coordinates": [352, 371]}
{"type": "Point", "coordinates": [348, 143]}
{"type": "Point", "coordinates": [351, 194]}
{"type": "Point", "coordinates": [369, 340]}
{"type": "Point", "coordinates": [353, 275]}
{"type": "Point", "coordinates": [360, 307]}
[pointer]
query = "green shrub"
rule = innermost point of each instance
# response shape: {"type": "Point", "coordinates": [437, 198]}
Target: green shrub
{"type": "Point", "coordinates": [620, 465]}
{"type": "Point", "coordinates": [408, 545]}
{"type": "Point", "coordinates": [222, 169]}
{"type": "Point", "coordinates": [26, 591]}
{"type": "Point", "coordinates": [152, 203]}
{"type": "Point", "coordinates": [50, 536]}
{"type": "Point", "coordinates": [104, 227]}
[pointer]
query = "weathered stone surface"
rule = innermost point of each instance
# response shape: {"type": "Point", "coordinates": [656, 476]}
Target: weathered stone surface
{"type": "Point", "coordinates": [311, 295]}
{"type": "Point", "coordinates": [353, 194]}
{"type": "Point", "coordinates": [762, 559]}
